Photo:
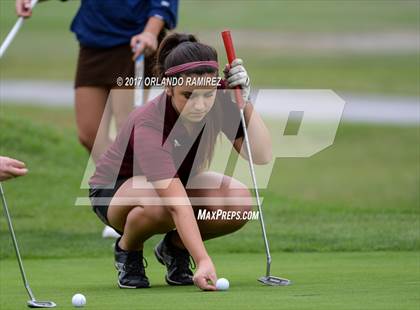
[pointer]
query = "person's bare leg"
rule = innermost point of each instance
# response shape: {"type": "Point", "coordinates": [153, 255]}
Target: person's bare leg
{"type": "Point", "coordinates": [92, 119]}
{"type": "Point", "coordinates": [122, 104]}
{"type": "Point", "coordinates": [136, 216]}
{"type": "Point", "coordinates": [232, 195]}
{"type": "Point", "coordinates": [139, 219]}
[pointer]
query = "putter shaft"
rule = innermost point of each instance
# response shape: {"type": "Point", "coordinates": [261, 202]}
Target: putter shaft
{"type": "Point", "coordinates": [32, 303]}
{"type": "Point", "coordinates": [15, 244]}
{"type": "Point", "coordinates": [257, 195]}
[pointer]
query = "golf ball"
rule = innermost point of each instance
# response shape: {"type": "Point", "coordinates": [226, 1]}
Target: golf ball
{"type": "Point", "coordinates": [78, 300]}
{"type": "Point", "coordinates": [222, 284]}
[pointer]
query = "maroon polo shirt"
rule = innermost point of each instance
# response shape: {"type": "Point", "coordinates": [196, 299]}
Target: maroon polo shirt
{"type": "Point", "coordinates": [154, 143]}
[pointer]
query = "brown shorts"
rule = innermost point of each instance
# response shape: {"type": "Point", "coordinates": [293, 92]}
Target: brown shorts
{"type": "Point", "coordinates": [102, 66]}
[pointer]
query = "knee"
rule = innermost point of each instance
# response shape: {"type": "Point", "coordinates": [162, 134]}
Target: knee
{"type": "Point", "coordinates": [134, 217]}
{"type": "Point", "coordinates": [160, 217]}
{"type": "Point", "coordinates": [238, 202]}
{"type": "Point", "coordinates": [237, 197]}
{"type": "Point", "coordinates": [153, 216]}
{"type": "Point", "coordinates": [86, 140]}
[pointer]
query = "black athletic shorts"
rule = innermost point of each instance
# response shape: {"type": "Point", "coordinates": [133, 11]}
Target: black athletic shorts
{"type": "Point", "coordinates": [100, 199]}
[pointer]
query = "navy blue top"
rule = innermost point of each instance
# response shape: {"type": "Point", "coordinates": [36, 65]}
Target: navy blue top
{"type": "Point", "coordinates": [109, 23]}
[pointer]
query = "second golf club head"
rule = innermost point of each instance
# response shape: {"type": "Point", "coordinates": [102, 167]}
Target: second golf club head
{"type": "Point", "coordinates": [274, 281]}
{"type": "Point", "coordinates": [41, 304]}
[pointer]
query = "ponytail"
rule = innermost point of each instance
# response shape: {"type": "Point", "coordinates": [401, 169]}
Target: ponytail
{"type": "Point", "coordinates": [179, 48]}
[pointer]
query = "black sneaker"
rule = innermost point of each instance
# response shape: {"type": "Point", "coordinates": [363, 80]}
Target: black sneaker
{"type": "Point", "coordinates": [176, 260]}
{"type": "Point", "coordinates": [130, 268]}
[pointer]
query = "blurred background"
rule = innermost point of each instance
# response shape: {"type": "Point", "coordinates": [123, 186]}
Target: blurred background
{"type": "Point", "coordinates": [360, 194]}
{"type": "Point", "coordinates": [357, 46]}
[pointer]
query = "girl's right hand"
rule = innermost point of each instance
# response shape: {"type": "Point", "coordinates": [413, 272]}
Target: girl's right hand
{"type": "Point", "coordinates": [205, 273]}
{"type": "Point", "coordinates": [23, 8]}
{"type": "Point", "coordinates": [144, 42]}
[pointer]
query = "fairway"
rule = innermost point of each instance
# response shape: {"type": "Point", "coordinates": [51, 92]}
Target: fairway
{"type": "Point", "coordinates": [382, 280]}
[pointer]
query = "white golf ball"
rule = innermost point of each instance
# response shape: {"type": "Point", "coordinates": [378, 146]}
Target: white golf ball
{"type": "Point", "coordinates": [222, 284]}
{"type": "Point", "coordinates": [78, 300]}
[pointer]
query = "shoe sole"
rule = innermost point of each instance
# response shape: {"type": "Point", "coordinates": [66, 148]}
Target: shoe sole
{"type": "Point", "coordinates": [170, 282]}
{"type": "Point", "coordinates": [128, 286]}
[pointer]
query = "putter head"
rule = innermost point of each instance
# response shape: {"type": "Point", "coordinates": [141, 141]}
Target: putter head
{"type": "Point", "coordinates": [41, 304]}
{"type": "Point", "coordinates": [274, 281]}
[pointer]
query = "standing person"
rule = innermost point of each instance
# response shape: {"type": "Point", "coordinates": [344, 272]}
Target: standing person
{"type": "Point", "coordinates": [111, 34]}
{"type": "Point", "coordinates": [141, 183]}
{"type": "Point", "coordinates": [108, 32]}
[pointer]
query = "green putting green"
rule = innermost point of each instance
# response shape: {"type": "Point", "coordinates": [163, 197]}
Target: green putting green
{"type": "Point", "coordinates": [350, 202]}
{"type": "Point", "coordinates": [381, 280]}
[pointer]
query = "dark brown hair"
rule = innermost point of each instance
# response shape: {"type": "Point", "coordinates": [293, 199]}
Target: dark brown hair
{"type": "Point", "coordinates": [177, 49]}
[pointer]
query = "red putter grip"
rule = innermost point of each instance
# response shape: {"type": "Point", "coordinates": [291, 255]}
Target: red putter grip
{"type": "Point", "coordinates": [230, 52]}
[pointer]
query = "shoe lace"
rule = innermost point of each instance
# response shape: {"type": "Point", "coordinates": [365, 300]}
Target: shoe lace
{"type": "Point", "coordinates": [184, 262]}
{"type": "Point", "coordinates": [135, 267]}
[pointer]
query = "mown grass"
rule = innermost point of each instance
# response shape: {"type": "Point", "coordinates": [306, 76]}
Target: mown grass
{"type": "Point", "coordinates": [380, 280]}
{"type": "Point", "coordinates": [361, 194]}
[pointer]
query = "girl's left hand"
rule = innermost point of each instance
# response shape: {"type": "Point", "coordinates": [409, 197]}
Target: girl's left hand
{"type": "Point", "coordinates": [236, 75]}
{"type": "Point", "coordinates": [145, 42]}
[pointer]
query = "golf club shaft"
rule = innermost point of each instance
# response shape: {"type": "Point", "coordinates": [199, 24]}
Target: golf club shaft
{"type": "Point", "coordinates": [139, 89]}
{"type": "Point", "coordinates": [257, 195]}
{"type": "Point", "coordinates": [12, 34]}
{"type": "Point", "coordinates": [231, 55]}
{"type": "Point", "coordinates": [15, 244]}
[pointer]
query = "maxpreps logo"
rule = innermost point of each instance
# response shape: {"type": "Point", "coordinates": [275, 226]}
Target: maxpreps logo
{"type": "Point", "coordinates": [206, 215]}
{"type": "Point", "coordinates": [319, 114]}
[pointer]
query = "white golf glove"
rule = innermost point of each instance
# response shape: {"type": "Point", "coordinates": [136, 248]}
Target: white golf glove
{"type": "Point", "coordinates": [236, 75]}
